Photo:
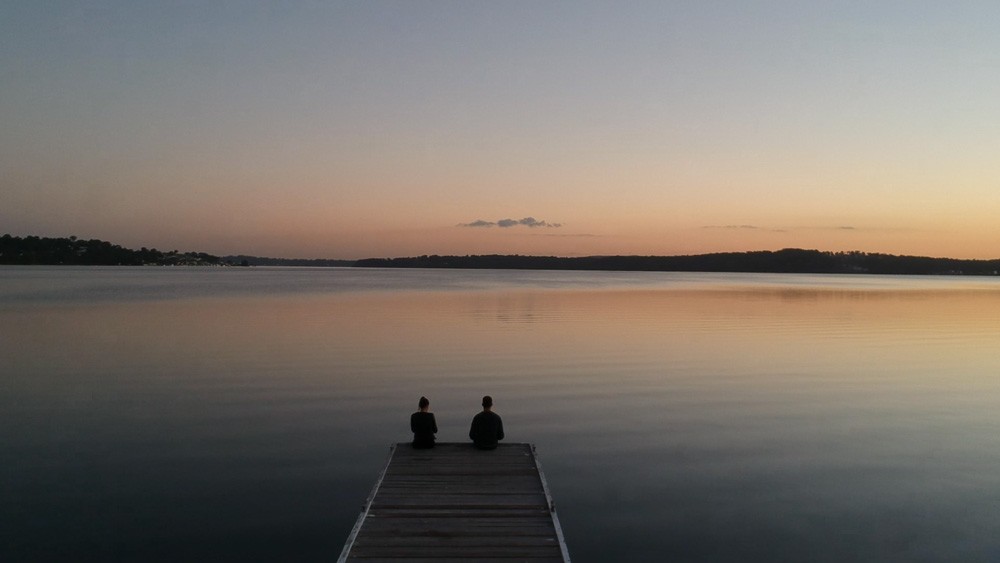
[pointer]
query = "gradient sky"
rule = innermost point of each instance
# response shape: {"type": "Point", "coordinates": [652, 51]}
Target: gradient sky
{"type": "Point", "coordinates": [347, 130]}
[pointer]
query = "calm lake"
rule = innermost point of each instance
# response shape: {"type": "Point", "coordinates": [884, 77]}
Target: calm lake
{"type": "Point", "coordinates": [243, 414]}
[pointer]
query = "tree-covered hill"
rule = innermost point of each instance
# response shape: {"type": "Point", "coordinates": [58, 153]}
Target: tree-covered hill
{"type": "Point", "coordinates": [790, 260]}
{"type": "Point", "coordinates": [32, 250]}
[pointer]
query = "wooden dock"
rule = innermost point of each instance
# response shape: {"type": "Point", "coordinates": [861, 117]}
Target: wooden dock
{"type": "Point", "coordinates": [456, 502]}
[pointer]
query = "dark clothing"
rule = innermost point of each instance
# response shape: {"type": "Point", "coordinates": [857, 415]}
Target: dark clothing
{"type": "Point", "coordinates": [424, 427]}
{"type": "Point", "coordinates": [487, 430]}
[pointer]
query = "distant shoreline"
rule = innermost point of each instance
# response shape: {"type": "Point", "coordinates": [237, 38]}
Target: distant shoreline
{"type": "Point", "coordinates": [787, 261]}
{"type": "Point", "coordinates": [72, 251]}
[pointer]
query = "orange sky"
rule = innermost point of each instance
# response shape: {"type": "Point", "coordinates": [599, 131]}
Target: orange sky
{"type": "Point", "coordinates": [379, 129]}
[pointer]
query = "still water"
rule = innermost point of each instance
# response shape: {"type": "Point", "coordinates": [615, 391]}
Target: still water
{"type": "Point", "coordinates": [243, 414]}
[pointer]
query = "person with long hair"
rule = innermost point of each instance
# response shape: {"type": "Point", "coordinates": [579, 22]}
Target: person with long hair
{"type": "Point", "coordinates": [423, 425]}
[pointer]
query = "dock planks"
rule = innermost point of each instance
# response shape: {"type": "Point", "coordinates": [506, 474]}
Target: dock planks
{"type": "Point", "coordinates": [457, 502]}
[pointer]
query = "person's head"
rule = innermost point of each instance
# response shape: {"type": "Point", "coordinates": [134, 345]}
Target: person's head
{"type": "Point", "coordinates": [424, 403]}
{"type": "Point", "coordinates": [487, 402]}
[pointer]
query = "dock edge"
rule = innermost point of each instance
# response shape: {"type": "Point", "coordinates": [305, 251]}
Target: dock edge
{"type": "Point", "coordinates": [367, 506]}
{"type": "Point", "coordinates": [552, 506]}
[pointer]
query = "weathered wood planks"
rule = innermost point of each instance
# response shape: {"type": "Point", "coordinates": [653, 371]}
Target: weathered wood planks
{"type": "Point", "coordinates": [457, 502]}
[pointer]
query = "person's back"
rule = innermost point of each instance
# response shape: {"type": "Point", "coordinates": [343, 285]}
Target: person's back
{"type": "Point", "coordinates": [487, 427]}
{"type": "Point", "coordinates": [423, 425]}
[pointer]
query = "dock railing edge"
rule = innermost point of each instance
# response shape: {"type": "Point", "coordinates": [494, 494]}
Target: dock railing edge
{"type": "Point", "coordinates": [364, 509]}
{"type": "Point", "coordinates": [552, 506]}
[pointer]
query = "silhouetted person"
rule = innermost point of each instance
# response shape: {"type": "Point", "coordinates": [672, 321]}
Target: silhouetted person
{"type": "Point", "coordinates": [487, 428]}
{"type": "Point", "coordinates": [423, 425]}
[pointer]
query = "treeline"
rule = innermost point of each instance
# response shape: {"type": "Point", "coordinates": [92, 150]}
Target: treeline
{"type": "Point", "coordinates": [32, 250]}
{"type": "Point", "coordinates": [789, 260]}
{"type": "Point", "coordinates": [243, 260]}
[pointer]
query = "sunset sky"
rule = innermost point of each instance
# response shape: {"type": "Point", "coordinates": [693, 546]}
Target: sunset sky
{"type": "Point", "coordinates": [359, 129]}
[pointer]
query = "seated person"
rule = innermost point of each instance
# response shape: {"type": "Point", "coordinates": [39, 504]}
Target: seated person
{"type": "Point", "coordinates": [487, 428]}
{"type": "Point", "coordinates": [423, 425]}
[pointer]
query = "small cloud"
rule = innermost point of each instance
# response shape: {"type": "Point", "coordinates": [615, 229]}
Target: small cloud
{"type": "Point", "coordinates": [529, 222]}
{"type": "Point", "coordinates": [532, 222]}
{"type": "Point", "coordinates": [745, 228]}
{"type": "Point", "coordinates": [830, 228]}
{"type": "Point", "coordinates": [731, 227]}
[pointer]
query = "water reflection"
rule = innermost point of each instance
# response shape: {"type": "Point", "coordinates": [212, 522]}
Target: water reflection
{"type": "Point", "coordinates": [742, 421]}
